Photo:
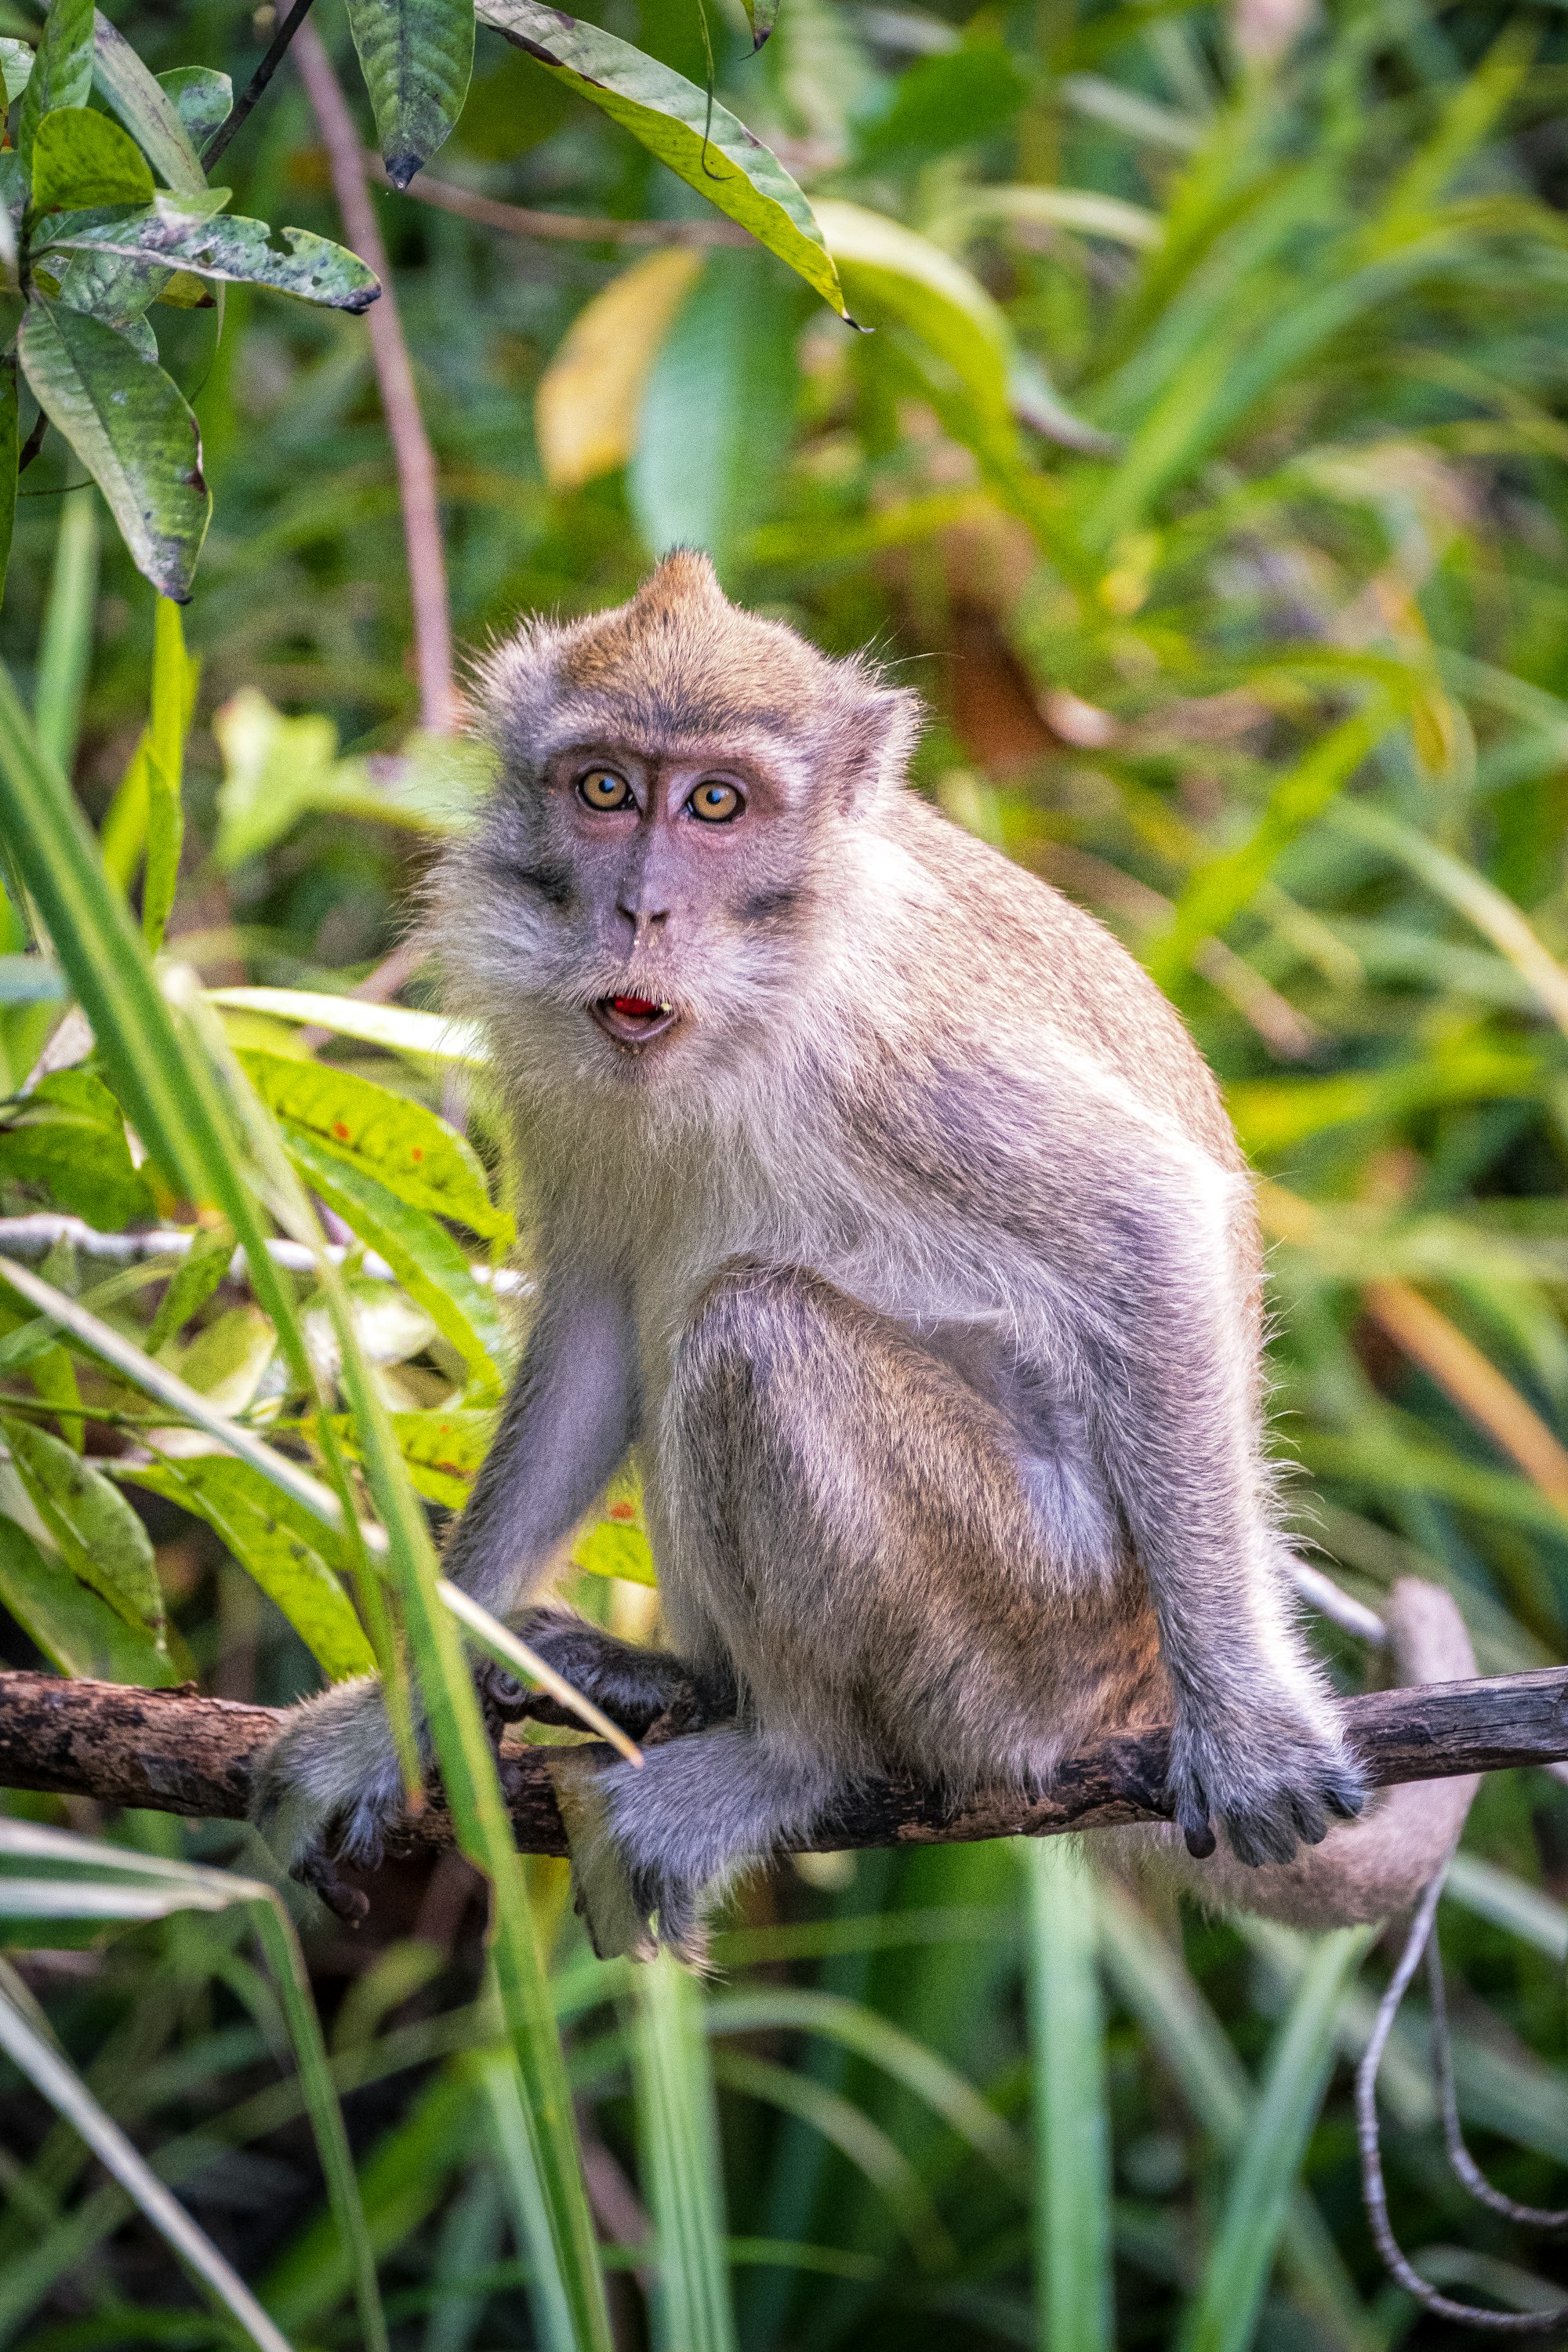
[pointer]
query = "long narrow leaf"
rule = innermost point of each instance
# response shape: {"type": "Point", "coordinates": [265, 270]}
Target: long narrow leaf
{"type": "Point", "coordinates": [1224, 2313]}
{"type": "Point", "coordinates": [677, 2127]}
{"type": "Point", "coordinates": [1072, 2156]}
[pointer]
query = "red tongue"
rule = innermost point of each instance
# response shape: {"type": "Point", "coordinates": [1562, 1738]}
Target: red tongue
{"type": "Point", "coordinates": [633, 1008]}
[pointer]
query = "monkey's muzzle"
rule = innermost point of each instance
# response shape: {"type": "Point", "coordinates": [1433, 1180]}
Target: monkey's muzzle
{"type": "Point", "coordinates": [634, 1020]}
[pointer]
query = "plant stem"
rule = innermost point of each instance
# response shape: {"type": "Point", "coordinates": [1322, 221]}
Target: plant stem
{"type": "Point", "coordinates": [400, 402]}
{"type": "Point", "coordinates": [256, 84]}
{"type": "Point", "coordinates": [577, 229]}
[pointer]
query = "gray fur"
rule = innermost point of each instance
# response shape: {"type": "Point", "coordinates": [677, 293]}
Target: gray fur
{"type": "Point", "coordinates": [916, 1260]}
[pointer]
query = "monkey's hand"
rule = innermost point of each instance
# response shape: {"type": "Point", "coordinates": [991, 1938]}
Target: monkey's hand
{"type": "Point", "coordinates": [640, 1690]}
{"type": "Point", "coordinates": [330, 1784]}
{"type": "Point", "coordinates": [1271, 1773]}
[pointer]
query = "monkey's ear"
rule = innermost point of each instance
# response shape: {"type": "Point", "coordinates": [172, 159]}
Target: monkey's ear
{"type": "Point", "coordinates": [870, 743]}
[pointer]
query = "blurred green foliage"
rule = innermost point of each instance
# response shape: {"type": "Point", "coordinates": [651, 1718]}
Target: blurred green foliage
{"type": "Point", "coordinates": [1205, 470]}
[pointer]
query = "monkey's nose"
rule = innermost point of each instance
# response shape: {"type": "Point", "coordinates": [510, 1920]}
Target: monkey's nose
{"type": "Point", "coordinates": [645, 921]}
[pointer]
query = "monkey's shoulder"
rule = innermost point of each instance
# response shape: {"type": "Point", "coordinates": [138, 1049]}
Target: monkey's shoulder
{"type": "Point", "coordinates": [1034, 995]}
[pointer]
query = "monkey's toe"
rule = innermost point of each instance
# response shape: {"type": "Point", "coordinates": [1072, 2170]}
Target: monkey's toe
{"type": "Point", "coordinates": [316, 1869]}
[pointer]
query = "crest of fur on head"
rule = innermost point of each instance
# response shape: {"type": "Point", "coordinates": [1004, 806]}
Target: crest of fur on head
{"type": "Point", "coordinates": [680, 667]}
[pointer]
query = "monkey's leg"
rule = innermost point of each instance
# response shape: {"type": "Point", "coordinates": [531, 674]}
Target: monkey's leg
{"type": "Point", "coordinates": [673, 1833]}
{"type": "Point", "coordinates": [848, 1519]}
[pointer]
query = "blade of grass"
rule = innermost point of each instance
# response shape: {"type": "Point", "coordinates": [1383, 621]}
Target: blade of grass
{"type": "Point", "coordinates": [1072, 2127]}
{"type": "Point", "coordinates": [1153, 1983]}
{"type": "Point", "coordinates": [186, 1117]}
{"type": "Point", "coordinates": [65, 651]}
{"type": "Point", "coordinates": [677, 2138]}
{"type": "Point", "coordinates": [1480, 902]}
{"type": "Point", "coordinates": [99, 1882]}
{"type": "Point", "coordinates": [1223, 2312]}
{"type": "Point", "coordinates": [71, 2097]}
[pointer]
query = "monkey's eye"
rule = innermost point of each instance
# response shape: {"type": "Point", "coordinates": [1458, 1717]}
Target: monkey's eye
{"type": "Point", "coordinates": [601, 788]}
{"type": "Point", "coordinates": [715, 803]}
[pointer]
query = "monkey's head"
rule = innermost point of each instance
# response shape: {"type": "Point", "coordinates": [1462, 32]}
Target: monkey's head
{"type": "Point", "coordinates": [680, 786]}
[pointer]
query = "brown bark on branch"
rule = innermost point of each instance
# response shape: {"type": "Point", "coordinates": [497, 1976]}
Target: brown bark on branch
{"type": "Point", "coordinates": [176, 1753]}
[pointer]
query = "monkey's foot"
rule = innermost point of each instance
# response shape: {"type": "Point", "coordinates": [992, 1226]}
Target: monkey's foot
{"type": "Point", "coordinates": [326, 1789]}
{"type": "Point", "coordinates": [1271, 1781]}
{"type": "Point", "coordinates": [630, 1913]}
{"type": "Point", "coordinates": [638, 1689]}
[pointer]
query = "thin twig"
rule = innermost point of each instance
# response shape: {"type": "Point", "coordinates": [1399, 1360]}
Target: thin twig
{"type": "Point", "coordinates": [1375, 2194]}
{"type": "Point", "coordinates": [576, 228]}
{"type": "Point", "coordinates": [28, 1239]}
{"type": "Point", "coordinates": [258, 83]}
{"type": "Point", "coordinates": [394, 374]}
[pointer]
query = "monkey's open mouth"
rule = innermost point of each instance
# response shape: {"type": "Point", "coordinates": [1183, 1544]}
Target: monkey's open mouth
{"type": "Point", "coordinates": [634, 1020]}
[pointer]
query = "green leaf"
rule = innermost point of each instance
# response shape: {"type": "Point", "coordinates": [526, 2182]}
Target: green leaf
{"type": "Point", "coordinates": [416, 57]}
{"type": "Point", "coordinates": [705, 145]}
{"type": "Point", "coordinates": [69, 1137]}
{"type": "Point", "coordinates": [100, 1537]}
{"type": "Point", "coordinates": [184, 235]}
{"type": "Point", "coordinates": [203, 99]}
{"type": "Point", "coordinates": [80, 159]}
{"type": "Point", "coordinates": [894, 276]}
{"type": "Point", "coordinates": [421, 1253]}
{"type": "Point", "coordinates": [149, 111]}
{"type": "Point", "coordinates": [75, 1630]}
{"type": "Point", "coordinates": [8, 454]}
{"type": "Point", "coordinates": [191, 1285]}
{"type": "Point", "coordinates": [715, 418]}
{"type": "Point", "coordinates": [942, 102]}
{"type": "Point", "coordinates": [443, 1450]}
{"type": "Point", "coordinates": [400, 1028]}
{"type": "Point", "coordinates": [175, 682]}
{"type": "Point", "coordinates": [762, 16]}
{"type": "Point", "coordinates": [403, 1146]}
{"type": "Point", "coordinates": [116, 290]}
{"type": "Point", "coordinates": [129, 425]}
{"type": "Point", "coordinates": [62, 69]}
{"type": "Point", "coordinates": [278, 1545]}
{"type": "Point", "coordinates": [15, 67]}
{"type": "Point", "coordinates": [616, 1543]}
{"type": "Point", "coordinates": [227, 1360]}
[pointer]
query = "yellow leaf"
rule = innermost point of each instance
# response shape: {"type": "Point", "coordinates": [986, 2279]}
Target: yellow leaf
{"type": "Point", "coordinates": [585, 409]}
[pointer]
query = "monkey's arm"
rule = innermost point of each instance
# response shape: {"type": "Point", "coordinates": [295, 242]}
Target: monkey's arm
{"type": "Point", "coordinates": [568, 1420]}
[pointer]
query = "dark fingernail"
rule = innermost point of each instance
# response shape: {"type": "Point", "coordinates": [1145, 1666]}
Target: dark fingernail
{"type": "Point", "coordinates": [1201, 1842]}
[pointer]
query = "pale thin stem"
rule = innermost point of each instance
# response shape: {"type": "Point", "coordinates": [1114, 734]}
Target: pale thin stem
{"type": "Point", "coordinates": [411, 448]}
{"type": "Point", "coordinates": [576, 228]}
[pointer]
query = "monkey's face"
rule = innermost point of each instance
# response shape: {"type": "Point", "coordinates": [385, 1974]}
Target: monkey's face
{"type": "Point", "coordinates": [657, 903]}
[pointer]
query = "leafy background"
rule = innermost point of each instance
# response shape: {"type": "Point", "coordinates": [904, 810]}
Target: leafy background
{"type": "Point", "coordinates": [1206, 472]}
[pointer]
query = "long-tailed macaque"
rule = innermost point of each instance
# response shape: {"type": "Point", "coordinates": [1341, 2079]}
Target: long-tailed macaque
{"type": "Point", "coordinates": [886, 1211]}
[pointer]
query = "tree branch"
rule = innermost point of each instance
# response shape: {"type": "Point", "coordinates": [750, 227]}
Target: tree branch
{"type": "Point", "coordinates": [254, 88]}
{"type": "Point", "coordinates": [176, 1753]}
{"type": "Point", "coordinates": [395, 374]}
{"type": "Point", "coordinates": [576, 228]}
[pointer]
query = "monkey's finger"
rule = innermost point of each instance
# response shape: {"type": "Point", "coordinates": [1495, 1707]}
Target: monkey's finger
{"type": "Point", "coordinates": [1200, 1840]}
{"type": "Point", "coordinates": [1344, 1793]}
{"type": "Point", "coordinates": [1311, 1818]}
{"type": "Point", "coordinates": [349, 1903]}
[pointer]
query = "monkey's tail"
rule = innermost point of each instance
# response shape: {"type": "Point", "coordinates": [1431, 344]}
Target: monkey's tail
{"type": "Point", "coordinates": [1367, 1869]}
